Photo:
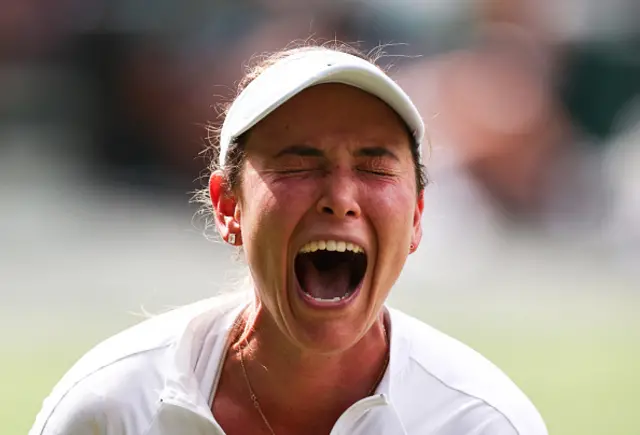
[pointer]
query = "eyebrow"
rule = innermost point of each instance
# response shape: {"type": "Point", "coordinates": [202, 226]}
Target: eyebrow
{"type": "Point", "coordinates": [300, 150]}
{"type": "Point", "coordinates": [376, 151]}
{"type": "Point", "coordinates": [309, 151]}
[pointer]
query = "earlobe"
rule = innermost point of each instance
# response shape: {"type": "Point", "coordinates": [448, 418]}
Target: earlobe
{"type": "Point", "coordinates": [224, 209]}
{"type": "Point", "coordinates": [417, 223]}
{"type": "Point", "coordinates": [417, 218]}
{"type": "Point", "coordinates": [237, 214]}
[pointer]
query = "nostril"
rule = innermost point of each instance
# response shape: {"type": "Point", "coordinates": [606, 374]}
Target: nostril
{"type": "Point", "coordinates": [327, 210]}
{"type": "Point", "coordinates": [351, 213]}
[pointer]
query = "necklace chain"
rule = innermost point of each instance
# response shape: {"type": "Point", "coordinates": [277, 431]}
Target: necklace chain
{"type": "Point", "coordinates": [254, 398]}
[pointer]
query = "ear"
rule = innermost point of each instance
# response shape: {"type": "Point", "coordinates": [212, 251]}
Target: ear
{"type": "Point", "coordinates": [225, 209]}
{"type": "Point", "coordinates": [416, 236]}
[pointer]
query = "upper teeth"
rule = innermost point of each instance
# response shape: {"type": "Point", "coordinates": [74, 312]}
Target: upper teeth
{"type": "Point", "coordinates": [331, 245]}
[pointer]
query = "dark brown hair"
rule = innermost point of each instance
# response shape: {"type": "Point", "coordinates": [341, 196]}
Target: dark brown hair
{"type": "Point", "coordinates": [235, 157]}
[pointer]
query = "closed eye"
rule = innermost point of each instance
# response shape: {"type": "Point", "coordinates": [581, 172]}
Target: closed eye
{"type": "Point", "coordinates": [293, 171]}
{"type": "Point", "coordinates": [382, 165]}
{"type": "Point", "coordinates": [297, 171]}
{"type": "Point", "coordinates": [377, 172]}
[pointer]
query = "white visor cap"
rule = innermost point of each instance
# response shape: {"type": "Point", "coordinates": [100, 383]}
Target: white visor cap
{"type": "Point", "coordinates": [299, 71]}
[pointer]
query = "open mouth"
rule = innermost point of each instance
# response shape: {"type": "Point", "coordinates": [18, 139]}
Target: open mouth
{"type": "Point", "coordinates": [330, 271]}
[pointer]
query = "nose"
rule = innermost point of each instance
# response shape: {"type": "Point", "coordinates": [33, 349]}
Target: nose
{"type": "Point", "coordinates": [339, 197]}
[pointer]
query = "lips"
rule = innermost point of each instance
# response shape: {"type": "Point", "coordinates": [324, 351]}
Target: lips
{"type": "Point", "coordinates": [329, 272]}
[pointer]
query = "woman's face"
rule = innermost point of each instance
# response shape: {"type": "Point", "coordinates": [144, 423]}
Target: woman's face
{"type": "Point", "coordinates": [328, 210]}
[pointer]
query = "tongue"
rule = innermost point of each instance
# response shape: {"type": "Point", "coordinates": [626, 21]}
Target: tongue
{"type": "Point", "coordinates": [326, 284]}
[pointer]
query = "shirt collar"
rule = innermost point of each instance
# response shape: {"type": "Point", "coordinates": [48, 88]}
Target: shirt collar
{"type": "Point", "coordinates": [183, 386]}
{"type": "Point", "coordinates": [399, 346]}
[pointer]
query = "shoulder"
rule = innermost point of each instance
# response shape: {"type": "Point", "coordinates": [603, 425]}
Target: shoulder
{"type": "Point", "coordinates": [472, 391]}
{"type": "Point", "coordinates": [113, 399]}
{"type": "Point", "coordinates": [114, 388]}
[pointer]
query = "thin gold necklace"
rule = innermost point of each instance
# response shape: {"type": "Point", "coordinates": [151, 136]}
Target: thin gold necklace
{"type": "Point", "coordinates": [254, 398]}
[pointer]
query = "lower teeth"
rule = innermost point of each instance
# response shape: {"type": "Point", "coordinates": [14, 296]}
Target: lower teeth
{"type": "Point", "coordinates": [336, 299]}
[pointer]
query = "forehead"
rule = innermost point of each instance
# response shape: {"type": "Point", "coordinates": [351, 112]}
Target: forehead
{"type": "Point", "coordinates": [328, 111]}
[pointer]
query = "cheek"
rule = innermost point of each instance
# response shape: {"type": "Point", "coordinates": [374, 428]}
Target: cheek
{"type": "Point", "coordinates": [269, 216]}
{"type": "Point", "coordinates": [391, 216]}
{"type": "Point", "coordinates": [270, 211]}
{"type": "Point", "coordinates": [391, 211]}
{"type": "Point", "coordinates": [262, 235]}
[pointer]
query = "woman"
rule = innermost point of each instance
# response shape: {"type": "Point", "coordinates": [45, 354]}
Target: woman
{"type": "Point", "coordinates": [319, 179]}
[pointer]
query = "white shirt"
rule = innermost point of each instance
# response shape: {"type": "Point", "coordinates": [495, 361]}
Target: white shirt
{"type": "Point", "coordinates": [159, 378]}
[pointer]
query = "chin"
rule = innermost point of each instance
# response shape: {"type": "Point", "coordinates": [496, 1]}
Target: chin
{"type": "Point", "coordinates": [328, 329]}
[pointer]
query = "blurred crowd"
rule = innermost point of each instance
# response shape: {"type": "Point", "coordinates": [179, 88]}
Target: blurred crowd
{"type": "Point", "coordinates": [532, 107]}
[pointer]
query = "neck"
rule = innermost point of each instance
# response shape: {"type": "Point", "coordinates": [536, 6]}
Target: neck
{"type": "Point", "coordinates": [335, 381]}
